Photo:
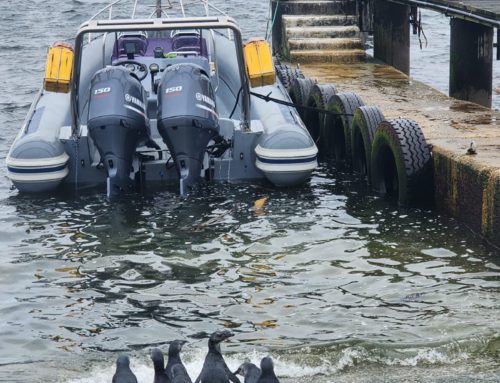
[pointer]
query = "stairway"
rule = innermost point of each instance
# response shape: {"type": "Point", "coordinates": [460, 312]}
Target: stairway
{"type": "Point", "coordinates": [321, 31]}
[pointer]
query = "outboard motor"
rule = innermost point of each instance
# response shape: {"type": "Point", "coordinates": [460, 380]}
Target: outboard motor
{"type": "Point", "coordinates": [117, 123]}
{"type": "Point", "coordinates": [187, 119]}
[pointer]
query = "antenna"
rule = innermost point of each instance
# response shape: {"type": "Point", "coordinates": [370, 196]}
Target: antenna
{"type": "Point", "coordinates": [158, 8]}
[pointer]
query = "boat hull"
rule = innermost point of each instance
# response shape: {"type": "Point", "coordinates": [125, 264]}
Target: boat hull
{"type": "Point", "coordinates": [259, 140]}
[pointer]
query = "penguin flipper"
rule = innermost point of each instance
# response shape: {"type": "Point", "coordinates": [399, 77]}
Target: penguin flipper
{"type": "Point", "coordinates": [232, 377]}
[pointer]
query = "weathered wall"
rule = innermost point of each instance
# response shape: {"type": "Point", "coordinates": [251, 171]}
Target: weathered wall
{"type": "Point", "coordinates": [469, 192]}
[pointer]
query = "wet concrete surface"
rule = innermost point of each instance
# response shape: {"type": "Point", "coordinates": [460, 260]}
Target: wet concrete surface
{"type": "Point", "coordinates": [449, 123]}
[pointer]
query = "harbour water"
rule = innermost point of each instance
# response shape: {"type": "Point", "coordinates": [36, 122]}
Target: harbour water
{"type": "Point", "coordinates": [337, 284]}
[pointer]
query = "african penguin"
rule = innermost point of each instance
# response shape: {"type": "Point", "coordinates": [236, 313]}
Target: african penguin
{"type": "Point", "coordinates": [174, 359]}
{"type": "Point", "coordinates": [123, 372]}
{"type": "Point", "coordinates": [267, 374]}
{"type": "Point", "coordinates": [159, 366]}
{"type": "Point", "coordinates": [215, 369]}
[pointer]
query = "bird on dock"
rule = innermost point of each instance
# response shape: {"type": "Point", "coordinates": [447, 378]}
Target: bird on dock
{"type": "Point", "coordinates": [214, 368]}
{"type": "Point", "coordinates": [174, 360]}
{"type": "Point", "coordinates": [472, 149]}
{"type": "Point", "coordinates": [267, 374]}
{"type": "Point", "coordinates": [179, 374]}
{"type": "Point", "coordinates": [159, 366]}
{"type": "Point", "coordinates": [249, 371]}
{"type": "Point", "coordinates": [123, 372]}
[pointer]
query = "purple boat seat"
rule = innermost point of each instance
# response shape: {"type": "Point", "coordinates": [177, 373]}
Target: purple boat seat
{"type": "Point", "coordinates": [183, 43]}
{"type": "Point", "coordinates": [133, 44]}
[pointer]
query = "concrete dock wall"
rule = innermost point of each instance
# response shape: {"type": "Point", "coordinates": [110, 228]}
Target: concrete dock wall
{"type": "Point", "coordinates": [469, 191]}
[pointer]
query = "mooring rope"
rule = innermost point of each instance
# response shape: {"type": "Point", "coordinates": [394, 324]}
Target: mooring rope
{"type": "Point", "coordinates": [271, 17]}
{"type": "Point", "coordinates": [268, 98]}
{"type": "Point", "coordinates": [417, 27]}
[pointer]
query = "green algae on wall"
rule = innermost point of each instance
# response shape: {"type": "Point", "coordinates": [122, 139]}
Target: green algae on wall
{"type": "Point", "coordinates": [469, 192]}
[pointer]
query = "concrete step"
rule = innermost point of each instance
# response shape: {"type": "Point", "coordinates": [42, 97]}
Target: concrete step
{"type": "Point", "coordinates": [322, 32]}
{"type": "Point", "coordinates": [304, 7]}
{"type": "Point", "coordinates": [327, 56]}
{"type": "Point", "coordinates": [325, 44]}
{"type": "Point", "coordinates": [290, 21]}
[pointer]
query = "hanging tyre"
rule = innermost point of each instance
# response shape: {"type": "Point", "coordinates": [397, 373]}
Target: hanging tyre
{"type": "Point", "coordinates": [318, 98]}
{"type": "Point", "coordinates": [299, 93]}
{"type": "Point", "coordinates": [336, 132]}
{"type": "Point", "coordinates": [364, 123]}
{"type": "Point", "coordinates": [287, 74]}
{"type": "Point", "coordinates": [282, 73]}
{"type": "Point", "coordinates": [401, 162]}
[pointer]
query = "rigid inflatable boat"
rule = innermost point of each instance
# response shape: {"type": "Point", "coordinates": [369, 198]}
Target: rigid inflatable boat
{"type": "Point", "coordinates": [167, 98]}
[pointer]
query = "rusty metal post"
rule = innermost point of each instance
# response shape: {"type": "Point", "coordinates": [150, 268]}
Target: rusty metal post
{"type": "Point", "coordinates": [471, 61]}
{"type": "Point", "coordinates": [392, 34]}
{"type": "Point", "coordinates": [365, 15]}
{"type": "Point", "coordinates": [498, 43]}
{"type": "Point", "coordinates": [414, 18]}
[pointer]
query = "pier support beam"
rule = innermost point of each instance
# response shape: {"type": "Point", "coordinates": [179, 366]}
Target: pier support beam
{"type": "Point", "coordinates": [471, 62]}
{"type": "Point", "coordinates": [392, 34]}
{"type": "Point", "coordinates": [277, 11]}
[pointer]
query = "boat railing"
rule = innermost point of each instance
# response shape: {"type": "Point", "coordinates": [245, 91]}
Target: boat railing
{"type": "Point", "coordinates": [161, 9]}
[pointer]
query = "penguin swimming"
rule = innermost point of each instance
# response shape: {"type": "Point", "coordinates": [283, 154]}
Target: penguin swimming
{"type": "Point", "coordinates": [159, 365]}
{"type": "Point", "coordinates": [250, 371]}
{"type": "Point", "coordinates": [179, 374]}
{"type": "Point", "coordinates": [267, 374]}
{"type": "Point", "coordinates": [123, 372]}
{"type": "Point", "coordinates": [174, 360]}
{"type": "Point", "coordinates": [215, 369]}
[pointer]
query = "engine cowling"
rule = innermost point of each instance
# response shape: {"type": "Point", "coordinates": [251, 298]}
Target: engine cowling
{"type": "Point", "coordinates": [187, 118]}
{"type": "Point", "coordinates": [117, 123]}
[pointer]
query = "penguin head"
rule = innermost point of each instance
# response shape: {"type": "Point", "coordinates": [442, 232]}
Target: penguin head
{"type": "Point", "coordinates": [217, 337]}
{"type": "Point", "coordinates": [176, 347]}
{"type": "Point", "coordinates": [157, 356]}
{"type": "Point", "coordinates": [243, 369]}
{"type": "Point", "coordinates": [123, 361]}
{"type": "Point", "coordinates": [266, 364]}
{"type": "Point", "coordinates": [220, 336]}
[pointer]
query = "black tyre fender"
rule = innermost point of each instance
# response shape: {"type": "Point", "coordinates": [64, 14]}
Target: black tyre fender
{"type": "Point", "coordinates": [401, 162]}
{"type": "Point", "coordinates": [299, 93]}
{"type": "Point", "coordinates": [336, 131]}
{"type": "Point", "coordinates": [318, 98]}
{"type": "Point", "coordinates": [286, 74]}
{"type": "Point", "coordinates": [364, 123]}
{"type": "Point", "coordinates": [282, 73]}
